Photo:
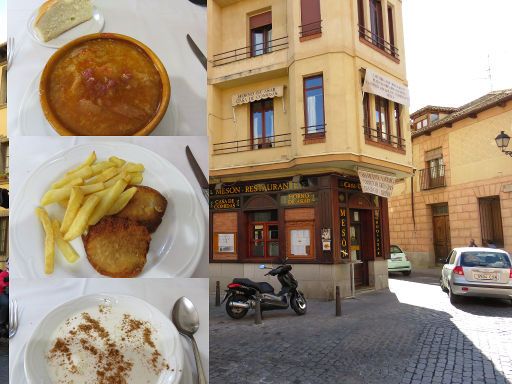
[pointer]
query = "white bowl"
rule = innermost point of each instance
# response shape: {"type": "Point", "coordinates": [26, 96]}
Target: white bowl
{"type": "Point", "coordinates": [166, 339]}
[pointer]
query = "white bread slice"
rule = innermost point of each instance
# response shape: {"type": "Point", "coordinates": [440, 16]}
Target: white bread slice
{"type": "Point", "coordinates": [57, 16]}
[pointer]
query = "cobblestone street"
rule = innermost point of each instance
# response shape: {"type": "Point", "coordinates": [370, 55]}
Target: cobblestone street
{"type": "Point", "coordinates": [409, 334]}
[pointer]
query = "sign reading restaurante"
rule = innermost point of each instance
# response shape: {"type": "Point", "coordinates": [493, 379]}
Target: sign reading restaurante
{"type": "Point", "coordinates": [255, 187]}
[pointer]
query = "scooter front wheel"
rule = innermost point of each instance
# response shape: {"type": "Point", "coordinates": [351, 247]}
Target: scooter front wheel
{"type": "Point", "coordinates": [236, 312]}
{"type": "Point", "coordinates": [298, 303]}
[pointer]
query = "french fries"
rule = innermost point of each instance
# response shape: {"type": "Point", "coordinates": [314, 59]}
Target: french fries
{"type": "Point", "coordinates": [49, 245]}
{"type": "Point", "coordinates": [75, 201]}
{"type": "Point", "coordinates": [64, 247]}
{"type": "Point", "coordinates": [79, 224]}
{"type": "Point", "coordinates": [86, 193]}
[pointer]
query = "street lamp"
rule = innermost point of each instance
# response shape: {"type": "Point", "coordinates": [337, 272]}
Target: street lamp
{"type": "Point", "coordinates": [502, 142]}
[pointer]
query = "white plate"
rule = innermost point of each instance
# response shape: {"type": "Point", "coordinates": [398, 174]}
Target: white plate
{"type": "Point", "coordinates": [175, 248]}
{"type": "Point", "coordinates": [167, 338]}
{"type": "Point", "coordinates": [93, 25]}
{"type": "Point", "coordinates": [31, 119]}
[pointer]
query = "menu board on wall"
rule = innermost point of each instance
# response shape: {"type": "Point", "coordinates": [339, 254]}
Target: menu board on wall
{"type": "Point", "coordinates": [343, 233]}
{"type": "Point", "coordinates": [300, 239]}
{"type": "Point", "coordinates": [226, 242]}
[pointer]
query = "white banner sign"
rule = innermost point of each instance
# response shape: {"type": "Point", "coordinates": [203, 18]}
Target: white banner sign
{"type": "Point", "coordinates": [385, 87]}
{"type": "Point", "coordinates": [249, 97]}
{"type": "Point", "coordinates": [376, 184]}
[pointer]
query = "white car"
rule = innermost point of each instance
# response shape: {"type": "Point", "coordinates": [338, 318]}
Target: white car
{"type": "Point", "coordinates": [477, 271]}
{"type": "Point", "coordinates": [399, 261]}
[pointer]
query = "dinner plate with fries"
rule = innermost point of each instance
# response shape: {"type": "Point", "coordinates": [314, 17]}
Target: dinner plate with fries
{"type": "Point", "coordinates": [74, 217]}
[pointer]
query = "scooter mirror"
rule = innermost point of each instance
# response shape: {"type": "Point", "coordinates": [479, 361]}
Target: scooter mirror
{"type": "Point", "coordinates": [262, 266]}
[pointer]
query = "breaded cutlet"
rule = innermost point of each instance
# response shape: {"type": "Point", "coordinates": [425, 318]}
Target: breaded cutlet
{"type": "Point", "coordinates": [117, 247]}
{"type": "Point", "coordinates": [147, 207]}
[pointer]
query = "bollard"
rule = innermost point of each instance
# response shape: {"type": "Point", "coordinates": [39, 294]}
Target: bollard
{"type": "Point", "coordinates": [338, 302]}
{"type": "Point", "coordinates": [257, 319]}
{"type": "Point", "coordinates": [217, 294]}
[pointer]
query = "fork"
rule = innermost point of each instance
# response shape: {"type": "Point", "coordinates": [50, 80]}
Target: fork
{"type": "Point", "coordinates": [13, 318]}
{"type": "Point", "coordinates": [10, 51]}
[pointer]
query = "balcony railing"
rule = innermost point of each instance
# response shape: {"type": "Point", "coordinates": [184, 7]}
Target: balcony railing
{"type": "Point", "coordinates": [433, 177]}
{"type": "Point", "coordinates": [283, 140]}
{"type": "Point", "coordinates": [378, 41]}
{"type": "Point", "coordinates": [384, 138]}
{"type": "Point", "coordinates": [314, 131]}
{"type": "Point", "coordinates": [254, 50]}
{"type": "Point", "coordinates": [310, 29]}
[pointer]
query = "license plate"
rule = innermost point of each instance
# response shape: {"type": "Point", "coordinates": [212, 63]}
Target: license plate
{"type": "Point", "coordinates": [486, 276]}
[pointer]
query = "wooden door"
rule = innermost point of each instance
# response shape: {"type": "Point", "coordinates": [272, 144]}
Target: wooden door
{"type": "Point", "coordinates": [361, 239]}
{"type": "Point", "coordinates": [442, 246]}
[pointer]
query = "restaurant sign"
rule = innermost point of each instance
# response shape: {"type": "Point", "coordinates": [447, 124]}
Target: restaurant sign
{"type": "Point", "coordinates": [249, 97]}
{"type": "Point", "coordinates": [298, 198]}
{"type": "Point", "coordinates": [376, 183]}
{"type": "Point", "coordinates": [378, 233]}
{"type": "Point", "coordinates": [343, 233]}
{"type": "Point", "coordinates": [385, 87]}
{"type": "Point", "coordinates": [255, 188]}
{"type": "Point", "coordinates": [227, 203]}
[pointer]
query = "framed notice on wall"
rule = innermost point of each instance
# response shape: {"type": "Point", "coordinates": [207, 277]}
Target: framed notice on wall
{"type": "Point", "coordinates": [226, 242]}
{"type": "Point", "coordinates": [300, 242]}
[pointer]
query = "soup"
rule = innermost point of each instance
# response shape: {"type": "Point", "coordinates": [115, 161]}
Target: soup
{"type": "Point", "coordinates": [104, 87]}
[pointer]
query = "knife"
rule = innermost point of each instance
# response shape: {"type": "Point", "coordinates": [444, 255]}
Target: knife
{"type": "Point", "coordinates": [198, 173]}
{"type": "Point", "coordinates": [200, 56]}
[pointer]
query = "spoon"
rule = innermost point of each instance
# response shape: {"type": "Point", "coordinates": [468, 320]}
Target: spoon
{"type": "Point", "coordinates": [186, 320]}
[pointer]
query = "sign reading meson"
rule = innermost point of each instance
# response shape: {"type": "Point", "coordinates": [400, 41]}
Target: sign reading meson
{"type": "Point", "coordinates": [249, 97]}
{"type": "Point", "coordinates": [254, 188]}
{"type": "Point", "coordinates": [375, 183]}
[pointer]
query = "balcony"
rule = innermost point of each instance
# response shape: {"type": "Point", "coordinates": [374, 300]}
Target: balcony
{"type": "Point", "coordinates": [384, 139]}
{"type": "Point", "coordinates": [251, 51]}
{"type": "Point", "coordinates": [433, 177]}
{"type": "Point", "coordinates": [368, 37]}
{"type": "Point", "coordinates": [276, 141]}
{"type": "Point", "coordinates": [314, 134]}
{"type": "Point", "coordinates": [310, 30]}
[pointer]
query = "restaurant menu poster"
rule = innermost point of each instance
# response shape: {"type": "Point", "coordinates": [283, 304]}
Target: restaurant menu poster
{"type": "Point", "coordinates": [226, 242]}
{"type": "Point", "coordinates": [300, 240]}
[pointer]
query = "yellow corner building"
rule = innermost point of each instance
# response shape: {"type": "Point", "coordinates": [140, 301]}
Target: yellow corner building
{"type": "Point", "coordinates": [305, 97]}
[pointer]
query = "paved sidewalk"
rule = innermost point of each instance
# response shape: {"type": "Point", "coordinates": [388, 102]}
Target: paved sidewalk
{"type": "Point", "coordinates": [408, 335]}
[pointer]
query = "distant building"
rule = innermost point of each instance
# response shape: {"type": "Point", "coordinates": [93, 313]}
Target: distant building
{"type": "Point", "coordinates": [292, 128]}
{"type": "Point", "coordinates": [462, 188]}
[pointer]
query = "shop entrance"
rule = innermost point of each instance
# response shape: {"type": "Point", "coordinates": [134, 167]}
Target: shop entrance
{"type": "Point", "coordinates": [361, 243]}
{"type": "Point", "coordinates": [441, 225]}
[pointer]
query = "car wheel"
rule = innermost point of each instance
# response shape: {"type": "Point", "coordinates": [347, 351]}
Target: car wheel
{"type": "Point", "coordinates": [454, 299]}
{"type": "Point", "coordinates": [406, 273]}
{"type": "Point", "coordinates": [443, 288]}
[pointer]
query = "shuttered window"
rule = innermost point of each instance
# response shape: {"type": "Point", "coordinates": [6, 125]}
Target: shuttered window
{"type": "Point", "coordinates": [310, 17]}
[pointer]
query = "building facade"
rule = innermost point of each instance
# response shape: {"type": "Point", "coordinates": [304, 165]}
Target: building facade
{"type": "Point", "coordinates": [462, 188]}
{"type": "Point", "coordinates": [4, 160]}
{"type": "Point", "coordinates": [304, 96]}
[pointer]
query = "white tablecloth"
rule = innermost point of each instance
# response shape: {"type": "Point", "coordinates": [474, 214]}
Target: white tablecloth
{"type": "Point", "coordinates": [28, 153]}
{"type": "Point", "coordinates": [160, 24]}
{"type": "Point", "coordinates": [36, 298]}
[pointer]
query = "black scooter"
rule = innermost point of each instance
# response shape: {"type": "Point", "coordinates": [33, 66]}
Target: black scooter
{"type": "Point", "coordinates": [242, 294]}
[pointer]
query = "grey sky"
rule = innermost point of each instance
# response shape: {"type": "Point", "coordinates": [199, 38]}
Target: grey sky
{"type": "Point", "coordinates": [447, 44]}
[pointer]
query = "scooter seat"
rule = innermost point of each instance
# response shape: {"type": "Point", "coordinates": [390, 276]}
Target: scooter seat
{"type": "Point", "coordinates": [263, 286]}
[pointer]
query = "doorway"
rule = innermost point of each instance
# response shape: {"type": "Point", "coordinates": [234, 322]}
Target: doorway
{"type": "Point", "coordinates": [441, 229]}
{"type": "Point", "coordinates": [361, 244]}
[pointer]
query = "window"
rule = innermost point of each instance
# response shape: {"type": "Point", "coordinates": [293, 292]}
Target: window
{"type": "Point", "coordinates": [310, 18]}
{"type": "Point", "coordinates": [360, 17]}
{"type": "Point", "coordinates": [376, 23]}
{"type": "Point", "coordinates": [264, 234]}
{"type": "Point", "coordinates": [422, 123]}
{"type": "Point", "coordinates": [3, 86]}
{"type": "Point", "coordinates": [262, 124]}
{"type": "Point", "coordinates": [433, 174]}
{"type": "Point", "coordinates": [314, 105]}
{"type": "Point", "coordinates": [261, 33]}
{"type": "Point", "coordinates": [381, 118]}
{"type": "Point", "coordinates": [4, 159]}
{"type": "Point", "coordinates": [366, 111]}
{"type": "Point", "coordinates": [396, 115]}
{"type": "Point", "coordinates": [490, 221]}
{"type": "Point", "coordinates": [434, 117]}
{"type": "Point", "coordinates": [391, 30]}
{"type": "Point", "coordinates": [4, 225]}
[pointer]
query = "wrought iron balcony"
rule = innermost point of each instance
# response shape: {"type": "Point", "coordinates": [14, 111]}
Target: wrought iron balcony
{"type": "Point", "coordinates": [432, 177]}
{"type": "Point", "coordinates": [275, 141]}
{"type": "Point", "coordinates": [385, 138]}
{"type": "Point", "coordinates": [310, 29]}
{"type": "Point", "coordinates": [253, 50]}
{"type": "Point", "coordinates": [314, 131]}
{"type": "Point", "coordinates": [378, 41]}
